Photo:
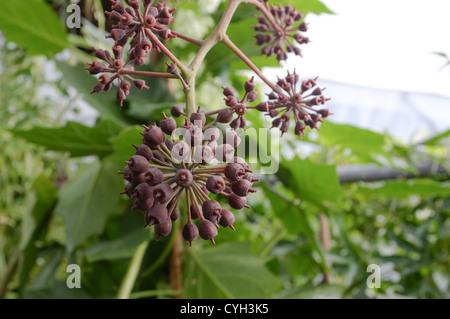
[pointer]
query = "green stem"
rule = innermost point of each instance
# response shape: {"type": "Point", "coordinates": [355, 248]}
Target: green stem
{"type": "Point", "coordinates": [133, 270]}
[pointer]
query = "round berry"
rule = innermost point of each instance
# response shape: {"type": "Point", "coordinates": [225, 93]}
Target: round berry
{"type": "Point", "coordinates": [190, 232]}
{"type": "Point", "coordinates": [207, 230]}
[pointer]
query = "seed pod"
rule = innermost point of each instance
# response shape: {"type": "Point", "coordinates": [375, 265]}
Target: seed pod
{"type": "Point", "coordinates": [164, 228]}
{"type": "Point", "coordinates": [153, 176]}
{"type": "Point", "coordinates": [162, 192]}
{"type": "Point", "coordinates": [183, 177]}
{"type": "Point", "coordinates": [226, 219]}
{"type": "Point", "coordinates": [138, 164]}
{"type": "Point", "coordinates": [224, 152]}
{"type": "Point", "coordinates": [215, 184]}
{"type": "Point", "coordinates": [190, 232]}
{"type": "Point", "coordinates": [207, 230]}
{"type": "Point", "coordinates": [234, 171]}
{"type": "Point", "coordinates": [144, 150]}
{"type": "Point", "coordinates": [168, 124]}
{"type": "Point", "coordinates": [211, 208]}
{"type": "Point", "coordinates": [225, 116]}
{"type": "Point", "coordinates": [242, 187]}
{"type": "Point", "coordinates": [155, 215]}
{"type": "Point", "coordinates": [236, 201]}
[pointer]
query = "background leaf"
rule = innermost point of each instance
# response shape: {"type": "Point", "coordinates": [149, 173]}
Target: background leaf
{"type": "Point", "coordinates": [228, 270]}
{"type": "Point", "coordinates": [85, 203]}
{"type": "Point", "coordinates": [33, 25]}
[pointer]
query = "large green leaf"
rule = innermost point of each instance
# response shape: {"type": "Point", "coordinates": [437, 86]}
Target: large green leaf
{"type": "Point", "coordinates": [319, 292]}
{"type": "Point", "coordinates": [33, 25]}
{"type": "Point", "coordinates": [401, 189]}
{"type": "Point", "coordinates": [42, 199]}
{"type": "Point", "coordinates": [364, 144]}
{"type": "Point", "coordinates": [86, 202]}
{"type": "Point", "coordinates": [315, 183]}
{"type": "Point", "coordinates": [228, 271]}
{"type": "Point", "coordinates": [122, 145]}
{"type": "Point", "coordinates": [76, 138]}
{"type": "Point", "coordinates": [123, 247]}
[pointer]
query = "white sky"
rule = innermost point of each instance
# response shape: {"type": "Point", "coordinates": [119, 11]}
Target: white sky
{"type": "Point", "coordinates": [381, 43]}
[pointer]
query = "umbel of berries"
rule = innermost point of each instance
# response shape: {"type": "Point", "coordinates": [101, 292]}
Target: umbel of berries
{"type": "Point", "coordinates": [166, 169]}
{"type": "Point", "coordinates": [296, 100]}
{"type": "Point", "coordinates": [135, 25]}
{"type": "Point", "coordinates": [280, 33]}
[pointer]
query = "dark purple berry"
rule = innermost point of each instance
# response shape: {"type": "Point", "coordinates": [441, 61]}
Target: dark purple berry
{"type": "Point", "coordinates": [176, 111]}
{"type": "Point", "coordinates": [215, 184]}
{"type": "Point", "coordinates": [242, 187]}
{"type": "Point", "coordinates": [153, 135]}
{"type": "Point", "coordinates": [144, 150]}
{"type": "Point", "coordinates": [225, 116]}
{"type": "Point", "coordinates": [162, 192]}
{"type": "Point", "coordinates": [153, 176]}
{"type": "Point", "coordinates": [226, 219]}
{"type": "Point", "coordinates": [190, 232]}
{"type": "Point", "coordinates": [164, 228]}
{"type": "Point", "coordinates": [183, 177]}
{"type": "Point", "coordinates": [155, 215]}
{"type": "Point", "coordinates": [236, 201]}
{"type": "Point", "coordinates": [138, 164]}
{"type": "Point", "coordinates": [168, 124]}
{"type": "Point", "coordinates": [234, 171]}
{"type": "Point", "coordinates": [211, 208]}
{"type": "Point", "coordinates": [207, 230]}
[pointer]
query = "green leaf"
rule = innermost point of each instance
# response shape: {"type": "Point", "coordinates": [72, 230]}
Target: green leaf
{"type": "Point", "coordinates": [122, 145]}
{"type": "Point", "coordinates": [123, 247]}
{"type": "Point", "coordinates": [228, 271]}
{"type": "Point", "coordinates": [436, 139]}
{"type": "Point", "coordinates": [33, 25]}
{"type": "Point", "coordinates": [86, 202]}
{"type": "Point", "coordinates": [35, 224]}
{"type": "Point", "coordinates": [315, 183]}
{"type": "Point", "coordinates": [363, 143]}
{"type": "Point", "coordinates": [424, 187]}
{"type": "Point", "coordinates": [76, 138]}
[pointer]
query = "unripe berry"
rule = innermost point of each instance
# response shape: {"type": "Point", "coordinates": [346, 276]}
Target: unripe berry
{"type": "Point", "coordinates": [164, 228]}
{"type": "Point", "coordinates": [144, 150]}
{"type": "Point", "coordinates": [155, 215]}
{"type": "Point", "coordinates": [183, 177]}
{"type": "Point", "coordinates": [225, 116]}
{"type": "Point", "coordinates": [176, 111]}
{"type": "Point", "coordinates": [242, 187]}
{"type": "Point", "coordinates": [224, 152]}
{"type": "Point", "coordinates": [162, 192]}
{"type": "Point", "coordinates": [153, 176]}
{"type": "Point", "coordinates": [153, 135]}
{"type": "Point", "coordinates": [190, 232]}
{"type": "Point", "coordinates": [211, 208]}
{"type": "Point", "coordinates": [207, 230]}
{"type": "Point", "coordinates": [236, 201]}
{"type": "Point", "coordinates": [226, 219]}
{"type": "Point", "coordinates": [142, 192]}
{"type": "Point", "coordinates": [234, 171]}
{"type": "Point", "coordinates": [215, 184]}
{"type": "Point", "coordinates": [168, 124]}
{"type": "Point", "coordinates": [138, 164]}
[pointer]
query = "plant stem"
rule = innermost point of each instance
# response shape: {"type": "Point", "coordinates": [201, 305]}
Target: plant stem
{"type": "Point", "coordinates": [226, 40]}
{"type": "Point", "coordinates": [133, 270]}
{"type": "Point", "coordinates": [150, 74]}
{"type": "Point", "coordinates": [188, 39]}
{"type": "Point", "coordinates": [154, 293]}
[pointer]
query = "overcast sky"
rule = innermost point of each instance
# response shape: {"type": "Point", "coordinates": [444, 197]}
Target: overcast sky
{"type": "Point", "coordinates": [381, 43]}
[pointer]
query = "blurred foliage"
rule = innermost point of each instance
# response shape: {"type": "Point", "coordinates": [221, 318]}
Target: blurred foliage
{"type": "Point", "coordinates": [61, 148]}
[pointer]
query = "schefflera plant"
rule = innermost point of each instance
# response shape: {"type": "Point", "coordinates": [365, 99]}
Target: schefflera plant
{"type": "Point", "coordinates": [166, 168]}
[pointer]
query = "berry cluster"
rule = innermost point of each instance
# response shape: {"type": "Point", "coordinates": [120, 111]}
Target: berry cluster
{"type": "Point", "coordinates": [165, 167]}
{"type": "Point", "coordinates": [139, 23]}
{"type": "Point", "coordinates": [278, 34]}
{"type": "Point", "coordinates": [297, 100]}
